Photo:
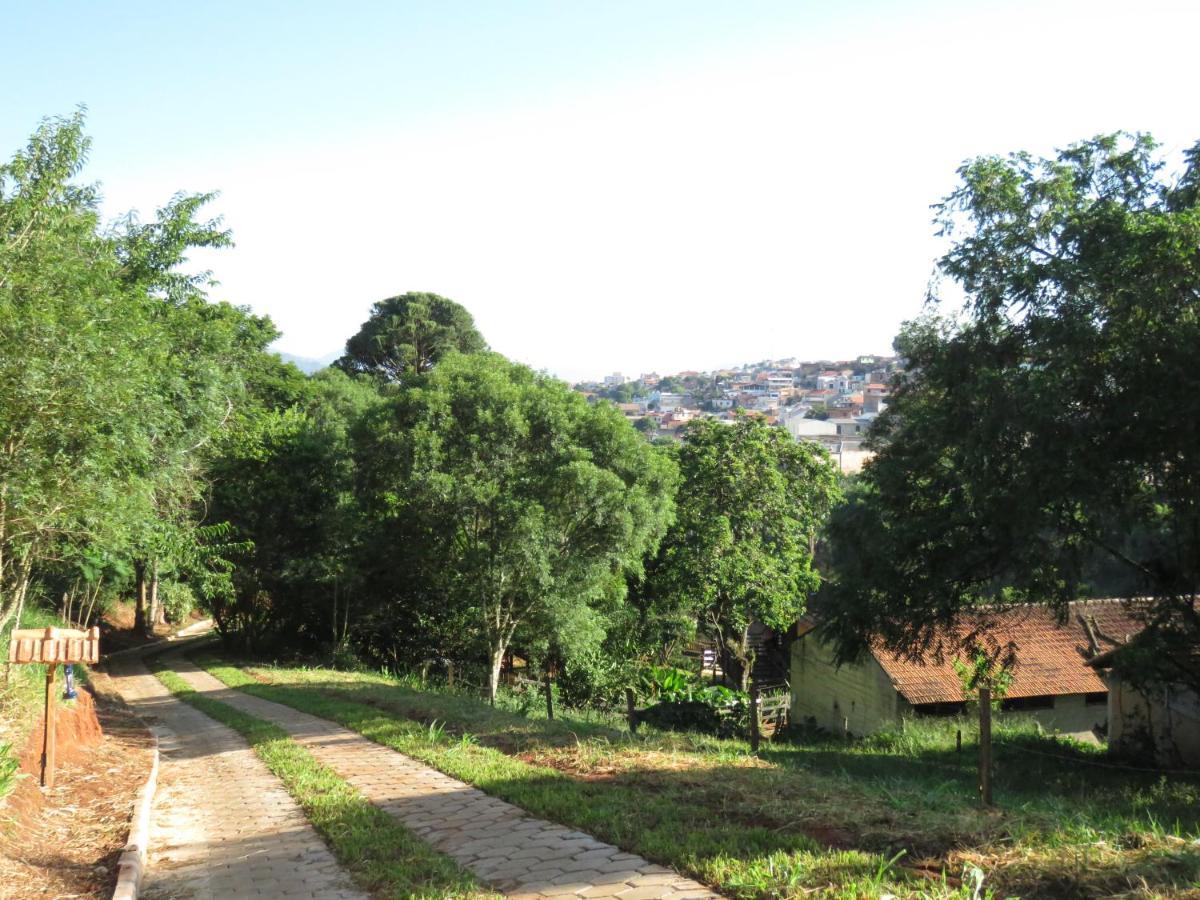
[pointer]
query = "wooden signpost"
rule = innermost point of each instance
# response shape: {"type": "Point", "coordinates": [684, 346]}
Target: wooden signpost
{"type": "Point", "coordinates": [53, 646]}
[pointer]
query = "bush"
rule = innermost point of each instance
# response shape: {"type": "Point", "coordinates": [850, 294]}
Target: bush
{"type": "Point", "coordinates": [177, 600]}
{"type": "Point", "coordinates": [686, 703]}
{"type": "Point", "coordinates": [595, 680]}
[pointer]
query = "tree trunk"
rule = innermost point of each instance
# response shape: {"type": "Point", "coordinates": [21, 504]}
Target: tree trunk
{"type": "Point", "coordinates": [156, 611]}
{"type": "Point", "coordinates": [736, 660]}
{"type": "Point", "coordinates": [494, 676]}
{"type": "Point", "coordinates": [139, 590]}
{"type": "Point", "coordinates": [21, 585]}
{"type": "Point", "coordinates": [92, 603]}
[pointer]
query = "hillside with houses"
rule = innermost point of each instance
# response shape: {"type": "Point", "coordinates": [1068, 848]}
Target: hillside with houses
{"type": "Point", "coordinates": [830, 403]}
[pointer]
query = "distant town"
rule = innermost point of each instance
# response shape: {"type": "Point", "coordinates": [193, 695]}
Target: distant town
{"type": "Point", "coordinates": [828, 402]}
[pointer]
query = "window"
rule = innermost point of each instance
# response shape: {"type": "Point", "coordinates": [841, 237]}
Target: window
{"type": "Point", "coordinates": [1025, 704]}
{"type": "Point", "coordinates": [939, 709]}
{"type": "Point", "coordinates": [1099, 698]}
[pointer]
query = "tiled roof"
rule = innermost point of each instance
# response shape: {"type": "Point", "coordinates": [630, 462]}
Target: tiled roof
{"type": "Point", "coordinates": [1050, 657]}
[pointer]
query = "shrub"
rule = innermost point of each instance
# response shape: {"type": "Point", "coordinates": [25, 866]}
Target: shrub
{"type": "Point", "coordinates": [177, 600]}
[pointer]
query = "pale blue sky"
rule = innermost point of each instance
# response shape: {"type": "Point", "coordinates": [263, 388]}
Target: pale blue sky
{"type": "Point", "coordinates": [619, 185]}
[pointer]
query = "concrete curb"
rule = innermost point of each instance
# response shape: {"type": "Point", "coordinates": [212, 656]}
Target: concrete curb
{"type": "Point", "coordinates": [132, 863]}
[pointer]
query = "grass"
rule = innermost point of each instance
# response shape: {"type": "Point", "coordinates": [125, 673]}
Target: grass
{"type": "Point", "coordinates": [895, 813]}
{"type": "Point", "coordinates": [671, 822]}
{"type": "Point", "coordinates": [381, 855]}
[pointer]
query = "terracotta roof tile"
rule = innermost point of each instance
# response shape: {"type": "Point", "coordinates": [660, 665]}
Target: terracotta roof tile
{"type": "Point", "coordinates": [1050, 656]}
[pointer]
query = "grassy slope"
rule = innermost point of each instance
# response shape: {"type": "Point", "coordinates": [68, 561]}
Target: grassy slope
{"type": "Point", "coordinates": [381, 855]}
{"type": "Point", "coordinates": [824, 815]}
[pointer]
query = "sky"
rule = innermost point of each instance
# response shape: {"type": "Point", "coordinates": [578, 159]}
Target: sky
{"type": "Point", "coordinates": [620, 186]}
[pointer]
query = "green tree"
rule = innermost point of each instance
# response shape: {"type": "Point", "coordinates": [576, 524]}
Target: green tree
{"type": "Point", "coordinates": [749, 507]}
{"type": "Point", "coordinates": [530, 507]}
{"type": "Point", "coordinates": [408, 334]}
{"type": "Point", "coordinates": [284, 483]}
{"type": "Point", "coordinates": [116, 374]}
{"type": "Point", "coordinates": [1052, 422]}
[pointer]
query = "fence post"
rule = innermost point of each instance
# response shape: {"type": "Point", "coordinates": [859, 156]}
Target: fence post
{"type": "Point", "coordinates": [631, 711]}
{"type": "Point", "coordinates": [753, 717]}
{"type": "Point", "coordinates": [985, 746]}
{"type": "Point", "coordinates": [49, 737]}
{"type": "Point", "coordinates": [549, 699]}
{"type": "Point", "coordinates": [958, 740]}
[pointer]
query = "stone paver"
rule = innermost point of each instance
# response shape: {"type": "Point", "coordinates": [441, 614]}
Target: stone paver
{"type": "Point", "coordinates": [504, 846]}
{"type": "Point", "coordinates": [222, 825]}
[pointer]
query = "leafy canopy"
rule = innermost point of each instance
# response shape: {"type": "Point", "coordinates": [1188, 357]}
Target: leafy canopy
{"type": "Point", "coordinates": [529, 505]}
{"type": "Point", "coordinates": [408, 334]}
{"type": "Point", "coordinates": [750, 504]}
{"type": "Point", "coordinates": [1052, 426]}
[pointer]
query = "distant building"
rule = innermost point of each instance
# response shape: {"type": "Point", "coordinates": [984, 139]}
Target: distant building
{"type": "Point", "coordinates": [616, 379]}
{"type": "Point", "coordinates": [1161, 723]}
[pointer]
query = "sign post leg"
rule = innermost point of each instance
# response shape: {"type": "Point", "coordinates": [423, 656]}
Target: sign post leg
{"type": "Point", "coordinates": [48, 746]}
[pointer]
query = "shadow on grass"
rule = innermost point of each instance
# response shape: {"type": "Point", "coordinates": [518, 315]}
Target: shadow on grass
{"type": "Point", "coordinates": [802, 816]}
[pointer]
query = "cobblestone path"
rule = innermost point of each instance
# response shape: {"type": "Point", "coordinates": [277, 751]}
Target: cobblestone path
{"type": "Point", "coordinates": [222, 825]}
{"type": "Point", "coordinates": [503, 845]}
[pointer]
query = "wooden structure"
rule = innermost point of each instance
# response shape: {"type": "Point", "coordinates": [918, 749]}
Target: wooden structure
{"type": "Point", "coordinates": [53, 646]}
{"type": "Point", "coordinates": [773, 713]}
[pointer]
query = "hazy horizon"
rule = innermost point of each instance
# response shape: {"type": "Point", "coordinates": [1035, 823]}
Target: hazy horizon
{"type": "Point", "coordinates": [629, 188]}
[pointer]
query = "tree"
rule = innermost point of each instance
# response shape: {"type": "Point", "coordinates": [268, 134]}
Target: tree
{"type": "Point", "coordinates": [749, 507]}
{"type": "Point", "coordinates": [408, 334]}
{"type": "Point", "coordinates": [529, 507]}
{"type": "Point", "coordinates": [284, 482]}
{"type": "Point", "coordinates": [1053, 424]}
{"type": "Point", "coordinates": [116, 373]}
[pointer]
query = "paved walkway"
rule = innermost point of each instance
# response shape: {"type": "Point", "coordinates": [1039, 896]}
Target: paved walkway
{"type": "Point", "coordinates": [503, 845]}
{"type": "Point", "coordinates": [222, 825]}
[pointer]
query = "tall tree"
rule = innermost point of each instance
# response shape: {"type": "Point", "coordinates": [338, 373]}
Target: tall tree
{"type": "Point", "coordinates": [532, 506]}
{"type": "Point", "coordinates": [1052, 421]}
{"type": "Point", "coordinates": [750, 504]}
{"type": "Point", "coordinates": [115, 373]}
{"type": "Point", "coordinates": [408, 334]}
{"type": "Point", "coordinates": [284, 481]}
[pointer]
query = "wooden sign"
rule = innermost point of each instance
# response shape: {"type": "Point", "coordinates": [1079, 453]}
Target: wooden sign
{"type": "Point", "coordinates": [53, 646]}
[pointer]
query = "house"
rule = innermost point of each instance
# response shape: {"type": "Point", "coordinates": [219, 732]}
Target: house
{"type": "Point", "coordinates": [1051, 679]}
{"type": "Point", "coordinates": [1161, 723]}
{"type": "Point", "coordinates": [801, 427]}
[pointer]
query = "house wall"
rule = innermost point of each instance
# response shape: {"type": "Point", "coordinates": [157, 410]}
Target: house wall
{"type": "Point", "coordinates": [1071, 715]}
{"type": "Point", "coordinates": [1170, 719]}
{"type": "Point", "coordinates": [858, 697]}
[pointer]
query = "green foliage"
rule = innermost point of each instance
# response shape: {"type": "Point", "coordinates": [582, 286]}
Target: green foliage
{"type": "Point", "coordinates": [527, 508]}
{"type": "Point", "coordinates": [1039, 432]}
{"type": "Point", "coordinates": [750, 505]}
{"type": "Point", "coordinates": [178, 600]}
{"type": "Point", "coordinates": [408, 334]}
{"type": "Point", "coordinates": [9, 769]}
{"type": "Point", "coordinates": [983, 670]}
{"type": "Point", "coordinates": [284, 481]}
{"type": "Point", "coordinates": [116, 375]}
{"type": "Point", "coordinates": [685, 702]}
